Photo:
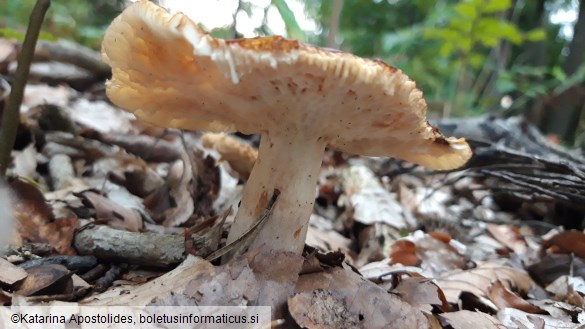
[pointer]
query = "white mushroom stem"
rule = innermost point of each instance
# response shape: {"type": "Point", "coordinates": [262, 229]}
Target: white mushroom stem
{"type": "Point", "coordinates": [291, 164]}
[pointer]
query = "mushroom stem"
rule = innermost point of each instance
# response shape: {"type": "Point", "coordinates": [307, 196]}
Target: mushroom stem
{"type": "Point", "coordinates": [291, 164]}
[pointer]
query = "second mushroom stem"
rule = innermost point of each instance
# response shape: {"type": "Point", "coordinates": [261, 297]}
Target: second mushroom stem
{"type": "Point", "coordinates": [289, 163]}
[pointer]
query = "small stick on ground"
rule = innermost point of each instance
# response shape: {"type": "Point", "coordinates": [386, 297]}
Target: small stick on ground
{"type": "Point", "coordinates": [11, 112]}
{"type": "Point", "coordinates": [241, 243]}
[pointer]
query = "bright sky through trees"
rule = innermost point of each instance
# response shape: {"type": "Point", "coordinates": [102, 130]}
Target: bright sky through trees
{"type": "Point", "coordinates": [218, 13]}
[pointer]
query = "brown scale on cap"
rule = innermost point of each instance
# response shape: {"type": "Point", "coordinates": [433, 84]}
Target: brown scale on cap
{"type": "Point", "coordinates": [298, 97]}
{"type": "Point", "coordinates": [274, 43]}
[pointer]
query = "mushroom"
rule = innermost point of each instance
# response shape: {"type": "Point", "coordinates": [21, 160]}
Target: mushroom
{"type": "Point", "coordinates": [240, 156]}
{"type": "Point", "coordinates": [299, 98]}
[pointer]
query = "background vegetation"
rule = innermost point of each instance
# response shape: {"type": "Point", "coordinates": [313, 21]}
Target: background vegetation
{"type": "Point", "coordinates": [471, 57]}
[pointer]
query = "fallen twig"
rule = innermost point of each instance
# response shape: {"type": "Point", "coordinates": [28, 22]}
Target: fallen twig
{"type": "Point", "coordinates": [11, 112]}
{"type": "Point", "coordinates": [240, 243]}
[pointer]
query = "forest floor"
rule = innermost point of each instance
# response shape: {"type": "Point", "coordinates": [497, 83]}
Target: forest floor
{"type": "Point", "coordinates": [110, 211]}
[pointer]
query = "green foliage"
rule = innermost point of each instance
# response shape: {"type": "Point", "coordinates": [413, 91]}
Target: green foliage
{"type": "Point", "coordinates": [464, 54]}
{"type": "Point", "coordinates": [293, 30]}
{"type": "Point", "coordinates": [9, 33]}
{"type": "Point", "coordinates": [364, 24]}
{"type": "Point", "coordinates": [453, 49]}
{"type": "Point", "coordinates": [468, 34]}
{"type": "Point", "coordinates": [80, 20]}
{"type": "Point", "coordinates": [473, 25]}
{"type": "Point", "coordinates": [520, 80]}
{"type": "Point", "coordinates": [225, 32]}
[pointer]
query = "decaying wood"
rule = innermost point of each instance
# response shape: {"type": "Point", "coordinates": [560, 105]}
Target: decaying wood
{"type": "Point", "coordinates": [72, 53]}
{"type": "Point", "coordinates": [72, 263]}
{"type": "Point", "coordinates": [112, 274]}
{"type": "Point", "coordinates": [54, 73]}
{"type": "Point", "coordinates": [151, 249]}
{"type": "Point", "coordinates": [62, 61]}
{"type": "Point", "coordinates": [513, 133]}
{"type": "Point", "coordinates": [519, 161]}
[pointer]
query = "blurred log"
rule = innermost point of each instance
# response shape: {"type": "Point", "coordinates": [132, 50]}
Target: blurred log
{"type": "Point", "coordinates": [508, 133]}
{"type": "Point", "coordinates": [151, 249]}
{"type": "Point", "coordinates": [514, 159]}
{"type": "Point", "coordinates": [72, 53]}
{"type": "Point", "coordinates": [63, 61]}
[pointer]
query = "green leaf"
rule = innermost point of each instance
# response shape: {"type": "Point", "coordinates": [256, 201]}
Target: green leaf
{"type": "Point", "coordinates": [558, 73]}
{"type": "Point", "coordinates": [575, 78]}
{"type": "Point", "coordinates": [493, 27]}
{"type": "Point", "coordinates": [494, 6]}
{"type": "Point", "coordinates": [446, 49]}
{"type": "Point", "coordinates": [476, 60]}
{"type": "Point", "coordinates": [467, 10]}
{"type": "Point", "coordinates": [47, 36]}
{"type": "Point", "coordinates": [293, 30]}
{"type": "Point", "coordinates": [246, 7]}
{"type": "Point", "coordinates": [264, 30]}
{"type": "Point", "coordinates": [461, 24]}
{"type": "Point", "coordinates": [8, 33]}
{"type": "Point", "coordinates": [505, 85]}
{"type": "Point", "coordinates": [536, 90]}
{"type": "Point", "coordinates": [443, 34]}
{"type": "Point", "coordinates": [400, 38]}
{"type": "Point", "coordinates": [222, 33]}
{"type": "Point", "coordinates": [536, 35]}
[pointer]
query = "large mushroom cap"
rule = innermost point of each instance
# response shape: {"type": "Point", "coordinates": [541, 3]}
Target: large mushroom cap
{"type": "Point", "coordinates": [169, 72]}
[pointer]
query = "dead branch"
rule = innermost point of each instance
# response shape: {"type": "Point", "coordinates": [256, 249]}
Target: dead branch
{"type": "Point", "coordinates": [520, 162]}
{"type": "Point", "coordinates": [72, 53]}
{"type": "Point", "coordinates": [151, 249]}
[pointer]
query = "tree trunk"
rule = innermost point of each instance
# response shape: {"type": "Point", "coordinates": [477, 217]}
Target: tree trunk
{"type": "Point", "coordinates": [334, 24]}
{"type": "Point", "coordinates": [536, 55]}
{"type": "Point", "coordinates": [563, 117]}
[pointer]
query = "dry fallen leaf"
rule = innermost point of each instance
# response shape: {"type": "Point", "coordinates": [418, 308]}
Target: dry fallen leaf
{"type": "Point", "coordinates": [8, 51]}
{"type": "Point", "coordinates": [25, 162]}
{"type": "Point", "coordinates": [171, 283]}
{"type": "Point", "coordinates": [509, 236]}
{"type": "Point", "coordinates": [477, 280]}
{"type": "Point", "coordinates": [36, 222]}
{"type": "Point", "coordinates": [513, 318]}
{"type": "Point", "coordinates": [182, 185]}
{"type": "Point", "coordinates": [194, 282]}
{"type": "Point", "coordinates": [115, 214]}
{"type": "Point", "coordinates": [503, 298]}
{"type": "Point", "coordinates": [553, 266]}
{"type": "Point", "coordinates": [321, 309]}
{"type": "Point", "coordinates": [421, 291]}
{"type": "Point", "coordinates": [100, 115]}
{"type": "Point", "coordinates": [9, 273]}
{"type": "Point", "coordinates": [46, 280]}
{"type": "Point", "coordinates": [349, 296]}
{"type": "Point", "coordinates": [436, 255]}
{"type": "Point", "coordinates": [569, 289]}
{"type": "Point", "coordinates": [5, 298]}
{"type": "Point", "coordinates": [370, 201]}
{"type": "Point", "coordinates": [35, 95]}
{"type": "Point", "coordinates": [467, 319]}
{"type": "Point", "coordinates": [404, 252]}
{"type": "Point", "coordinates": [327, 240]}
{"type": "Point", "coordinates": [567, 242]}
{"type": "Point", "coordinates": [559, 310]}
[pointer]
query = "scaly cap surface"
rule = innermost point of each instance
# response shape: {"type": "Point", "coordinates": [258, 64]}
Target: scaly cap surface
{"type": "Point", "coordinates": [169, 72]}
